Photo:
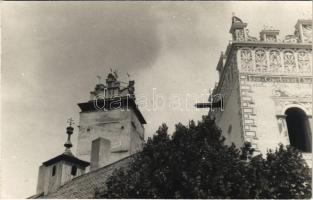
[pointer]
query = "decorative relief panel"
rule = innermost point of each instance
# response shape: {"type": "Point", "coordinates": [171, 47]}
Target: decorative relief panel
{"type": "Point", "coordinates": [278, 79]}
{"type": "Point", "coordinates": [275, 61]}
{"type": "Point", "coordinates": [271, 38]}
{"type": "Point", "coordinates": [304, 61]}
{"type": "Point", "coordinates": [260, 60]}
{"type": "Point", "coordinates": [246, 59]}
{"type": "Point", "coordinates": [240, 35]}
{"type": "Point", "coordinates": [289, 61]}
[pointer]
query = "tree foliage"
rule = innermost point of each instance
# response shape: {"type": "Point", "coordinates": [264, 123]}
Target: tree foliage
{"type": "Point", "coordinates": [195, 163]}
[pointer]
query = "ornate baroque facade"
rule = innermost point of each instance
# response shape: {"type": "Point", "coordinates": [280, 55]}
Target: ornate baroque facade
{"type": "Point", "coordinates": [259, 81]}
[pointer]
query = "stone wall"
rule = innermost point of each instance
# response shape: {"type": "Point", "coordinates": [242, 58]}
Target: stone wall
{"type": "Point", "coordinates": [113, 125]}
{"type": "Point", "coordinates": [264, 105]}
{"type": "Point", "coordinates": [230, 120]}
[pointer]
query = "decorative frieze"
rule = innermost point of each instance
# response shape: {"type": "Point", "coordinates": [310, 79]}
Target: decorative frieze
{"type": "Point", "coordinates": [276, 61]}
{"type": "Point", "coordinates": [278, 79]}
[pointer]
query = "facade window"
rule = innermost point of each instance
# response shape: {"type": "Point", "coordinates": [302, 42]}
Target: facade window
{"type": "Point", "coordinates": [299, 130]}
{"type": "Point", "coordinates": [74, 170]}
{"type": "Point", "coordinates": [54, 169]}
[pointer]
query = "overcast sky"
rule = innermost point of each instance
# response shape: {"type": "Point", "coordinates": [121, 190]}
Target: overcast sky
{"type": "Point", "coordinates": [53, 51]}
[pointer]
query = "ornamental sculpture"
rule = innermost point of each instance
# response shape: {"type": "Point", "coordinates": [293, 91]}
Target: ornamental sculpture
{"type": "Point", "coordinates": [289, 61]}
{"type": "Point", "coordinates": [260, 60]}
{"type": "Point", "coordinates": [246, 59]}
{"type": "Point", "coordinates": [304, 61]}
{"type": "Point", "coordinates": [275, 61]}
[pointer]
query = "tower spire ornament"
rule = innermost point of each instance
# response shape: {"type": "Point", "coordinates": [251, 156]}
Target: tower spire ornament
{"type": "Point", "coordinates": [69, 132]}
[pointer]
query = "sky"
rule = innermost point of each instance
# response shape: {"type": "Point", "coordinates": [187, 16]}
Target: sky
{"type": "Point", "coordinates": [52, 53]}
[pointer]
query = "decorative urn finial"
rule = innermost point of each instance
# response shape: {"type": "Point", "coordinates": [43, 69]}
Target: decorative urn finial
{"type": "Point", "coordinates": [69, 132]}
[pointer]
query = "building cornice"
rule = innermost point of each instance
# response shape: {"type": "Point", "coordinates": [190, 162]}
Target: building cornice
{"type": "Point", "coordinates": [272, 45]}
{"type": "Point", "coordinates": [115, 103]}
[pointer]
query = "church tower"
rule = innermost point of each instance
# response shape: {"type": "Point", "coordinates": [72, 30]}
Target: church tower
{"type": "Point", "coordinates": [266, 86]}
{"type": "Point", "coordinates": [61, 169]}
{"type": "Point", "coordinates": [110, 125]}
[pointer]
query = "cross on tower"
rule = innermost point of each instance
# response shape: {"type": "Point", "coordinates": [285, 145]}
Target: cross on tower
{"type": "Point", "coordinates": [70, 121]}
{"type": "Point", "coordinates": [69, 132]}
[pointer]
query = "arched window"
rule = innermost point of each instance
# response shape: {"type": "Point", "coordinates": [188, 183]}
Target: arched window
{"type": "Point", "coordinates": [299, 130]}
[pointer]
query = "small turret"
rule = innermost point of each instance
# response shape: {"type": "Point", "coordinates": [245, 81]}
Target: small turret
{"type": "Point", "coordinates": [57, 171]}
{"type": "Point", "coordinates": [238, 29]}
{"type": "Point", "coordinates": [269, 34]}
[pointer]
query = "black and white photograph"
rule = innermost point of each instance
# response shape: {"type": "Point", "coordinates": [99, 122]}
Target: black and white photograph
{"type": "Point", "coordinates": [156, 100]}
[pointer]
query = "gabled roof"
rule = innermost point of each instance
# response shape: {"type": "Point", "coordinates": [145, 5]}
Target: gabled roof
{"type": "Point", "coordinates": [66, 157]}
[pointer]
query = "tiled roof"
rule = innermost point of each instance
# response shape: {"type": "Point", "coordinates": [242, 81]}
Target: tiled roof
{"type": "Point", "coordinates": [66, 157]}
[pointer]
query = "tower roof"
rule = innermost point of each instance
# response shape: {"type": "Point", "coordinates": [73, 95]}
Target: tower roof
{"type": "Point", "coordinates": [67, 155]}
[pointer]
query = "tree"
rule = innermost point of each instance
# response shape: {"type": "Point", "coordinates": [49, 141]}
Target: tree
{"type": "Point", "coordinates": [195, 163]}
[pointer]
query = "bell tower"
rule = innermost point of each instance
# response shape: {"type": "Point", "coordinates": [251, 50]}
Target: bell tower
{"type": "Point", "coordinates": [110, 125]}
{"type": "Point", "coordinates": [59, 170]}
